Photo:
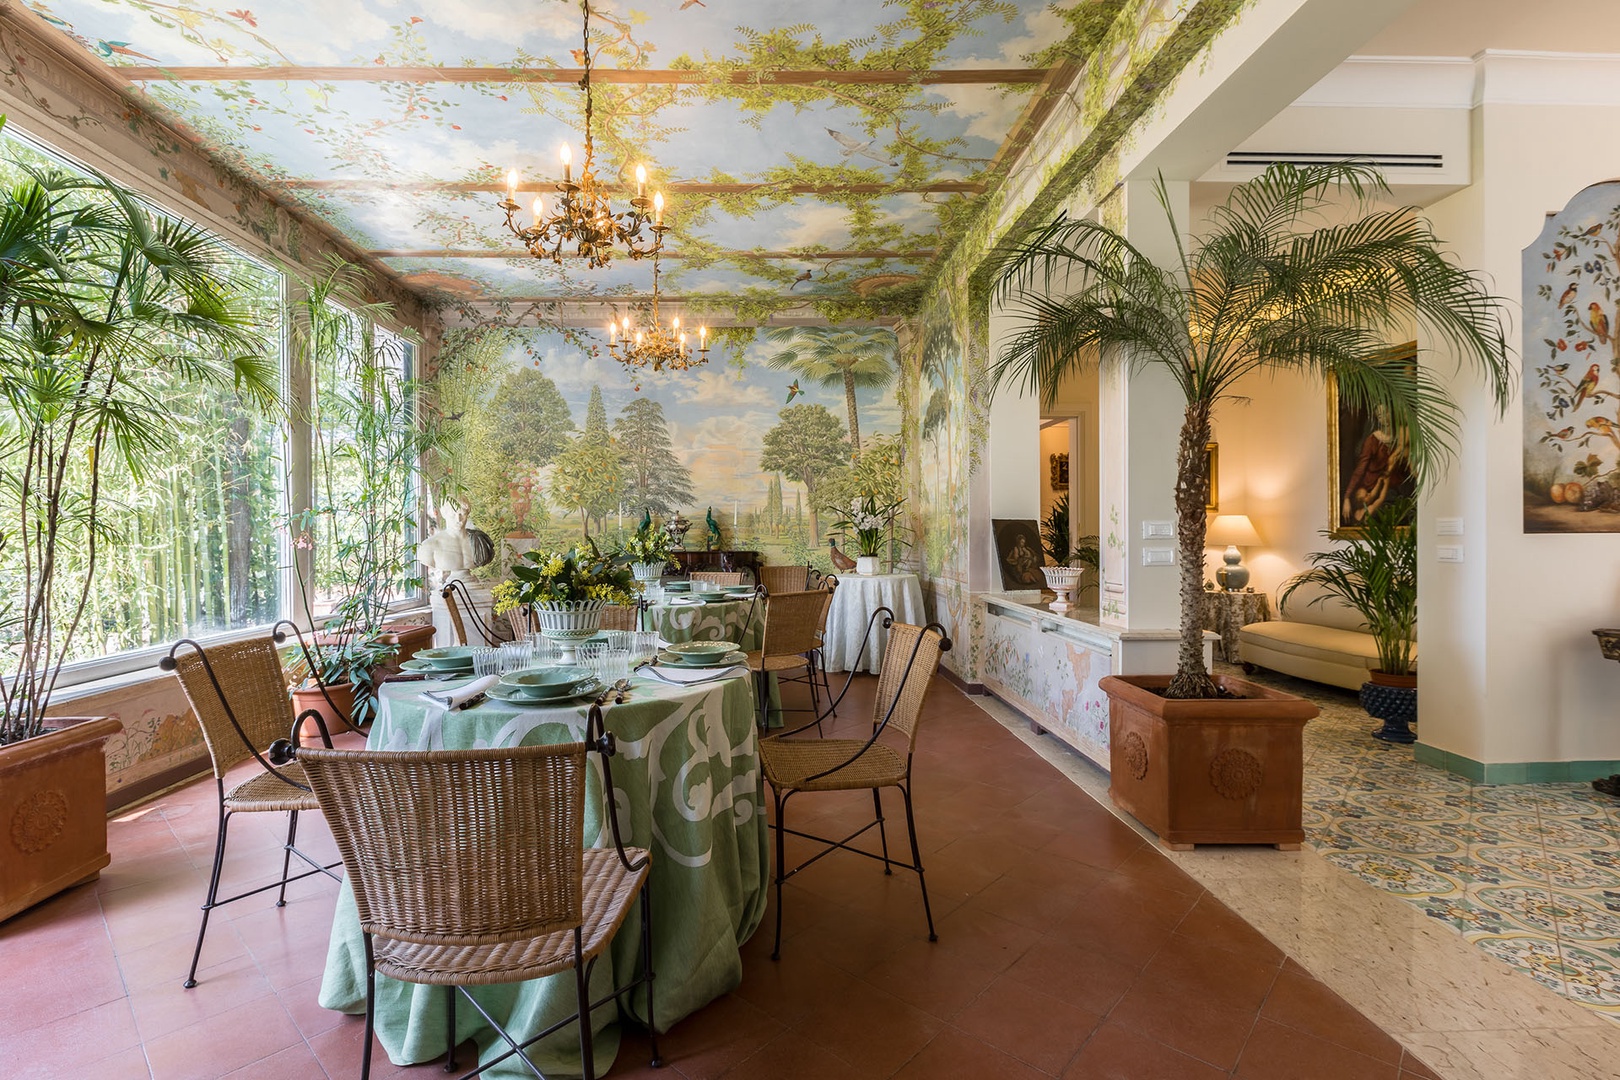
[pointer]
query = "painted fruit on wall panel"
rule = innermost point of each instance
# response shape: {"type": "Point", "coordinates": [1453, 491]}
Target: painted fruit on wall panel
{"type": "Point", "coordinates": [1572, 368]}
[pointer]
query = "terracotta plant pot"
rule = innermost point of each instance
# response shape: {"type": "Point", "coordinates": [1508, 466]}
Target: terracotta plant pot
{"type": "Point", "coordinates": [309, 696]}
{"type": "Point", "coordinates": [1219, 771]}
{"type": "Point", "coordinates": [53, 811]}
{"type": "Point", "coordinates": [1392, 699]}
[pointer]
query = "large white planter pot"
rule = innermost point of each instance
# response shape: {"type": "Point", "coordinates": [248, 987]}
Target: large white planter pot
{"type": "Point", "coordinates": [868, 565]}
{"type": "Point", "coordinates": [569, 622]}
{"type": "Point", "coordinates": [647, 573]}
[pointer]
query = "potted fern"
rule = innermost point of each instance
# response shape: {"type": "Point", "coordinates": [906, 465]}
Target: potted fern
{"type": "Point", "coordinates": [1375, 572]}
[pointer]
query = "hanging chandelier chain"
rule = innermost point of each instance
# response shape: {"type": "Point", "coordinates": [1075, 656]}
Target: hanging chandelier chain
{"type": "Point", "coordinates": [586, 83]}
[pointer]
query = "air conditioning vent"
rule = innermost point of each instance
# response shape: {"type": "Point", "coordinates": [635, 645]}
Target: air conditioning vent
{"type": "Point", "coordinates": [1259, 159]}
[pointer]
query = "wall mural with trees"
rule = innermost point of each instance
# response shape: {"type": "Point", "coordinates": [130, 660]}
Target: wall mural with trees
{"type": "Point", "coordinates": [555, 442]}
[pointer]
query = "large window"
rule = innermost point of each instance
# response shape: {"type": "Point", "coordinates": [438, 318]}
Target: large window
{"type": "Point", "coordinates": [200, 544]}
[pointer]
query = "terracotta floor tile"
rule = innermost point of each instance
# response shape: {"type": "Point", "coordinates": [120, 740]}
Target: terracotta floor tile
{"type": "Point", "coordinates": [1104, 843]}
{"type": "Point", "coordinates": [127, 1064]}
{"type": "Point", "coordinates": [984, 937]}
{"type": "Point", "coordinates": [1117, 1053]}
{"type": "Point", "coordinates": [954, 1055]}
{"type": "Point", "coordinates": [1413, 1069]}
{"type": "Point", "coordinates": [791, 1055]}
{"type": "Point", "coordinates": [869, 1028]}
{"type": "Point", "coordinates": [1275, 1052]}
{"type": "Point", "coordinates": [303, 1005]}
{"type": "Point", "coordinates": [1202, 1029]}
{"type": "Point", "coordinates": [1037, 1028]}
{"type": "Point", "coordinates": [1205, 971]}
{"type": "Point", "coordinates": [713, 1040]}
{"type": "Point", "coordinates": [1213, 922]}
{"type": "Point", "coordinates": [168, 1006]}
{"type": "Point", "coordinates": [222, 1043]}
{"type": "Point", "coordinates": [1085, 978]}
{"type": "Point", "coordinates": [938, 981]}
{"type": "Point", "coordinates": [1303, 1003]}
{"type": "Point", "coordinates": [68, 1045]}
{"type": "Point", "coordinates": [295, 1061]}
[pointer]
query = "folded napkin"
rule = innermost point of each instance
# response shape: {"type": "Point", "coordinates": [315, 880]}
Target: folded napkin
{"type": "Point", "coordinates": [683, 601]}
{"type": "Point", "coordinates": [687, 676]}
{"type": "Point", "coordinates": [450, 699]}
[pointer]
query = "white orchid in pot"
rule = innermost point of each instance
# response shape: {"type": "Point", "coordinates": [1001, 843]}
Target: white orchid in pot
{"type": "Point", "coordinates": [872, 524]}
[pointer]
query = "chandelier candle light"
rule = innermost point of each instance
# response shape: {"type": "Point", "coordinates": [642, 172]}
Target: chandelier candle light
{"type": "Point", "coordinates": [584, 220]}
{"type": "Point", "coordinates": [658, 347]}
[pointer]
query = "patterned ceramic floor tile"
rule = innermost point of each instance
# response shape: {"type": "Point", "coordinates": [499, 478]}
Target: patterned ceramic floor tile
{"type": "Point", "coordinates": [1530, 873]}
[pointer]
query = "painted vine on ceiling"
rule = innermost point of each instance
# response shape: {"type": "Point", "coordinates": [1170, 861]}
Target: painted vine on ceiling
{"type": "Point", "coordinates": [831, 160]}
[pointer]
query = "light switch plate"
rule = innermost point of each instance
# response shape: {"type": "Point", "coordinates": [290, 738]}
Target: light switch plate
{"type": "Point", "coordinates": [1449, 553]}
{"type": "Point", "coordinates": [1158, 557]}
{"type": "Point", "coordinates": [1448, 526]}
{"type": "Point", "coordinates": [1158, 530]}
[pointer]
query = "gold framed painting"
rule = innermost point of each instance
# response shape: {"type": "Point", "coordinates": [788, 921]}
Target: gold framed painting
{"type": "Point", "coordinates": [1212, 451]}
{"type": "Point", "coordinates": [1367, 461]}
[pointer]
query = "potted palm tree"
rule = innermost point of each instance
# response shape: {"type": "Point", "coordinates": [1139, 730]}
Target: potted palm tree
{"type": "Point", "coordinates": [103, 303]}
{"type": "Point", "coordinates": [1375, 572]}
{"type": "Point", "coordinates": [363, 512]}
{"type": "Point", "coordinates": [1298, 270]}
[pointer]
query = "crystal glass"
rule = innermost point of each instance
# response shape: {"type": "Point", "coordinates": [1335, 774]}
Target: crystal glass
{"type": "Point", "coordinates": [516, 655]}
{"type": "Point", "coordinates": [606, 662]}
{"type": "Point", "coordinates": [544, 652]}
{"type": "Point", "coordinates": [643, 645]}
{"type": "Point", "coordinates": [486, 660]}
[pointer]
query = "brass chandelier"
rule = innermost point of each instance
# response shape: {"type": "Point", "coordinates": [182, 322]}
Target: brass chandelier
{"type": "Point", "coordinates": [584, 221]}
{"type": "Point", "coordinates": [659, 347]}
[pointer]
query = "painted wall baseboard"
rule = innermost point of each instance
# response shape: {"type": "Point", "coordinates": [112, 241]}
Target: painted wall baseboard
{"type": "Point", "coordinates": [1514, 772]}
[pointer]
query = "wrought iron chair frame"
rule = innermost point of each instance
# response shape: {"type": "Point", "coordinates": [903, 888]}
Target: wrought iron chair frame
{"type": "Point", "coordinates": [456, 595]}
{"type": "Point", "coordinates": [600, 741]}
{"type": "Point", "coordinates": [780, 798]}
{"type": "Point", "coordinates": [169, 664]}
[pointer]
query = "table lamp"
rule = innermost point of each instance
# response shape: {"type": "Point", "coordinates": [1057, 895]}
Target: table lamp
{"type": "Point", "coordinates": [1234, 531]}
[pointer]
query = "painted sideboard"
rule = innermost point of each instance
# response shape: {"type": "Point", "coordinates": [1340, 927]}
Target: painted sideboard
{"type": "Point", "coordinates": [1047, 665]}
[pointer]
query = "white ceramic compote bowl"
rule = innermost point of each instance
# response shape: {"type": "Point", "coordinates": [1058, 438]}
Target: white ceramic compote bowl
{"type": "Point", "coordinates": [1061, 580]}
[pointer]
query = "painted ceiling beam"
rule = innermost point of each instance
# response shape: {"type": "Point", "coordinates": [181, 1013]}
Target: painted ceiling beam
{"type": "Point", "coordinates": [640, 76]}
{"type": "Point", "coordinates": [920, 255]}
{"type": "Point", "coordinates": [694, 187]}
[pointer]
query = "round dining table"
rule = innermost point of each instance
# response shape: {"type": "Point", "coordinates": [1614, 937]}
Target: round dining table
{"type": "Point", "coordinates": [687, 786]}
{"type": "Point", "coordinates": [857, 596]}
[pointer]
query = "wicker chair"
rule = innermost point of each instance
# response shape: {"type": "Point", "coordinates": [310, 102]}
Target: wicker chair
{"type": "Point", "coordinates": [794, 765]}
{"type": "Point", "coordinates": [497, 886]}
{"type": "Point", "coordinates": [789, 638]}
{"type": "Point", "coordinates": [456, 597]}
{"type": "Point", "coordinates": [785, 578]}
{"type": "Point", "coordinates": [715, 577]}
{"type": "Point", "coordinates": [623, 616]}
{"type": "Point", "coordinates": [242, 724]}
{"type": "Point", "coordinates": [827, 583]}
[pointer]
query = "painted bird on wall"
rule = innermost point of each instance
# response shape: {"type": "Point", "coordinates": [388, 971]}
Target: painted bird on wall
{"type": "Point", "coordinates": [793, 391]}
{"type": "Point", "coordinates": [1599, 322]}
{"type": "Point", "coordinates": [1569, 296]}
{"type": "Point", "coordinates": [840, 561]}
{"type": "Point", "coordinates": [1585, 388]}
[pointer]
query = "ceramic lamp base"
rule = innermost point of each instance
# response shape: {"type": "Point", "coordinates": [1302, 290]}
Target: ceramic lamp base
{"type": "Point", "coordinates": [1234, 576]}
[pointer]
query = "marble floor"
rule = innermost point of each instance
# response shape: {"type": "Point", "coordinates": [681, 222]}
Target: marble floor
{"type": "Point", "coordinates": [1476, 923]}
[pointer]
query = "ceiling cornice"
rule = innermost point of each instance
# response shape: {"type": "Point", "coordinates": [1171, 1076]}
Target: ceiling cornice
{"type": "Point", "coordinates": [135, 73]}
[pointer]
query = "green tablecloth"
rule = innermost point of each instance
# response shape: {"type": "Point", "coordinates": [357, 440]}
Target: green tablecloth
{"type": "Point", "coordinates": [742, 621]}
{"type": "Point", "coordinates": [687, 786]}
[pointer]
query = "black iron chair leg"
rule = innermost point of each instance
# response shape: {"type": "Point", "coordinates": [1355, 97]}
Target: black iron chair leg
{"type": "Point", "coordinates": [883, 834]}
{"type": "Point", "coordinates": [213, 887]}
{"type": "Point", "coordinates": [821, 665]}
{"type": "Point", "coordinates": [286, 856]}
{"type": "Point", "coordinates": [450, 1029]}
{"type": "Point", "coordinates": [371, 1011]}
{"type": "Point", "coordinates": [647, 972]}
{"type": "Point", "coordinates": [916, 862]}
{"type": "Point", "coordinates": [781, 870]}
{"type": "Point", "coordinates": [587, 1054]}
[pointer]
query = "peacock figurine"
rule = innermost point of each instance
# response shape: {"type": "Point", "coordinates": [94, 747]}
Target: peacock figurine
{"type": "Point", "coordinates": [840, 561]}
{"type": "Point", "coordinates": [713, 538]}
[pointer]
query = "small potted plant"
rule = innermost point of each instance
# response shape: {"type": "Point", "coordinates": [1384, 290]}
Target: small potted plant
{"type": "Point", "coordinates": [567, 591]}
{"type": "Point", "coordinates": [1375, 572]}
{"type": "Point", "coordinates": [646, 551]}
{"type": "Point", "coordinates": [871, 523]}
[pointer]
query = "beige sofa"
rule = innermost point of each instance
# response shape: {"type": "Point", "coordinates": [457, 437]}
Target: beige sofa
{"type": "Point", "coordinates": [1323, 642]}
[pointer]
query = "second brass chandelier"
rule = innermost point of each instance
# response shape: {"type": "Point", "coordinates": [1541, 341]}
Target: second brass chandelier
{"type": "Point", "coordinates": [659, 347]}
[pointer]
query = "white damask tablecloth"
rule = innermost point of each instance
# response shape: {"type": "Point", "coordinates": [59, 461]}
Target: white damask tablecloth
{"type": "Point", "coordinates": [857, 597]}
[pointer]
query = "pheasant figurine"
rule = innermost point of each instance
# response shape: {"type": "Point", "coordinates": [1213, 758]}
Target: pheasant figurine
{"type": "Point", "coordinates": [840, 561]}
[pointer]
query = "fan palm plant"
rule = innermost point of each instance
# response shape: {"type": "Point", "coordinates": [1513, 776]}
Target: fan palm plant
{"type": "Point", "coordinates": [1283, 277]}
{"type": "Point", "coordinates": [102, 304]}
{"type": "Point", "coordinates": [849, 358]}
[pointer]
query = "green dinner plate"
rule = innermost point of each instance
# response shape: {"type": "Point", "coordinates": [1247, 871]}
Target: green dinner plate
{"type": "Point", "coordinates": [702, 648]}
{"type": "Point", "coordinates": [539, 681]}
{"type": "Point", "coordinates": [419, 666]}
{"type": "Point", "coordinates": [451, 656]}
{"type": "Point", "coordinates": [726, 660]}
{"type": "Point", "coordinates": [566, 692]}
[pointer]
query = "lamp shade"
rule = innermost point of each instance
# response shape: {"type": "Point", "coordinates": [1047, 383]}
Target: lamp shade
{"type": "Point", "coordinates": [1232, 530]}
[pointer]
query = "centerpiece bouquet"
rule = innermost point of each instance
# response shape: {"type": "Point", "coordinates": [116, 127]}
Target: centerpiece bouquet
{"type": "Point", "coordinates": [646, 551]}
{"type": "Point", "coordinates": [872, 524]}
{"type": "Point", "coordinates": [566, 591]}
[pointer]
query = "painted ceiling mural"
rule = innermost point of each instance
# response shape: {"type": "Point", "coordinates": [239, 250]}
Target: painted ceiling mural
{"type": "Point", "coordinates": [827, 160]}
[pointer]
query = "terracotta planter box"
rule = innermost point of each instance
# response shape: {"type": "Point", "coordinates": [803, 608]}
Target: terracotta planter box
{"type": "Point", "coordinates": [410, 639]}
{"type": "Point", "coordinates": [309, 697]}
{"type": "Point", "coordinates": [53, 812]}
{"type": "Point", "coordinates": [1226, 771]}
